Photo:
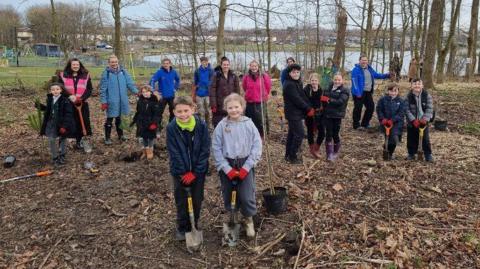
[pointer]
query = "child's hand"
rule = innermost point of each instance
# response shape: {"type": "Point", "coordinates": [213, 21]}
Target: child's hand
{"type": "Point", "coordinates": [325, 99]}
{"type": "Point", "coordinates": [214, 109]}
{"type": "Point", "coordinates": [188, 178]}
{"type": "Point", "coordinates": [387, 123]}
{"type": "Point", "coordinates": [422, 122]}
{"type": "Point", "coordinates": [62, 131]}
{"type": "Point", "coordinates": [311, 112]}
{"type": "Point", "coordinates": [72, 98]}
{"type": "Point", "coordinates": [104, 107]}
{"type": "Point", "coordinates": [242, 173]}
{"type": "Point", "coordinates": [152, 127]}
{"type": "Point", "coordinates": [232, 174]}
{"type": "Point", "coordinates": [416, 123]}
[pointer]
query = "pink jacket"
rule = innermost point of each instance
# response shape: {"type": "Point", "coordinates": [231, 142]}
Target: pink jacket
{"type": "Point", "coordinates": [253, 88]}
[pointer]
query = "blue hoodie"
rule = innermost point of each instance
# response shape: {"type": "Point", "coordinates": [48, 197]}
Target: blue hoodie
{"type": "Point", "coordinates": [168, 82]}
{"type": "Point", "coordinates": [203, 79]}
{"type": "Point", "coordinates": [358, 79]}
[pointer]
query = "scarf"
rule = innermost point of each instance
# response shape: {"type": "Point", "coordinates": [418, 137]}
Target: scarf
{"type": "Point", "coordinates": [189, 126]}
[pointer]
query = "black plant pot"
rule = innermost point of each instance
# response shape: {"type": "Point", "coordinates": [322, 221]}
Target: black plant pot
{"type": "Point", "coordinates": [275, 203]}
{"type": "Point", "coordinates": [440, 125]}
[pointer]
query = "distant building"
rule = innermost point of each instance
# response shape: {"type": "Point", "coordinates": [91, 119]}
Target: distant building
{"type": "Point", "coordinates": [47, 50]}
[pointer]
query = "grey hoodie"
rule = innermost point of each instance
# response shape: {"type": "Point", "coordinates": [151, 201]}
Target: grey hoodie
{"type": "Point", "coordinates": [236, 139]}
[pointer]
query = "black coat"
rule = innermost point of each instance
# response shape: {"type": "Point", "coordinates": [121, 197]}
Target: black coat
{"type": "Point", "coordinates": [296, 103]}
{"type": "Point", "coordinates": [188, 156]}
{"type": "Point", "coordinates": [85, 108]}
{"type": "Point", "coordinates": [64, 115]}
{"type": "Point", "coordinates": [337, 104]}
{"type": "Point", "coordinates": [148, 112]}
{"type": "Point", "coordinates": [314, 97]}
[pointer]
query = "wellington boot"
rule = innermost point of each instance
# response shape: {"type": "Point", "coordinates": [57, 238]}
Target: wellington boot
{"type": "Point", "coordinates": [149, 153]}
{"type": "Point", "coordinates": [144, 154]}
{"type": "Point", "coordinates": [250, 230]}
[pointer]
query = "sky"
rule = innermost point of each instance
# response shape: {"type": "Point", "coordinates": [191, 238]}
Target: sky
{"type": "Point", "coordinates": [152, 9]}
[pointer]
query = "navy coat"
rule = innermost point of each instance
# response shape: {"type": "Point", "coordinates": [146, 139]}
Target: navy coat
{"type": "Point", "coordinates": [394, 109]}
{"type": "Point", "coordinates": [184, 159]}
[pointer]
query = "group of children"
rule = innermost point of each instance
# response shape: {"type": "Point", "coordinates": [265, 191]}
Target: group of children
{"type": "Point", "coordinates": [236, 143]}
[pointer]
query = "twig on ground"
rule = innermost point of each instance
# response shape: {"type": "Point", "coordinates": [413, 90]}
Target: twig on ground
{"type": "Point", "coordinates": [301, 245]}
{"type": "Point", "coordinates": [109, 208]}
{"type": "Point", "coordinates": [51, 250]}
{"type": "Point", "coordinates": [263, 249]}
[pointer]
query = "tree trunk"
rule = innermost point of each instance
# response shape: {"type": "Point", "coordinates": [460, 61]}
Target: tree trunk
{"type": "Point", "coordinates": [420, 29]}
{"type": "Point", "coordinates": [194, 36]}
{"type": "Point", "coordinates": [269, 37]}
{"type": "Point", "coordinates": [404, 32]}
{"type": "Point", "coordinates": [424, 32]}
{"type": "Point", "coordinates": [391, 47]}
{"type": "Point", "coordinates": [222, 10]}
{"type": "Point", "coordinates": [368, 30]}
{"type": "Point", "coordinates": [443, 51]}
{"type": "Point", "coordinates": [432, 38]}
{"type": "Point", "coordinates": [317, 39]}
{"type": "Point", "coordinates": [451, 58]}
{"type": "Point", "coordinates": [117, 43]}
{"type": "Point", "coordinates": [472, 41]}
{"type": "Point", "coordinates": [55, 33]}
{"type": "Point", "coordinates": [362, 28]}
{"type": "Point", "coordinates": [379, 27]}
{"type": "Point", "coordinates": [341, 33]}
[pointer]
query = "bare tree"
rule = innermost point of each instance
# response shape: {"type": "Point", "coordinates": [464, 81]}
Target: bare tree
{"type": "Point", "coordinates": [341, 33]}
{"type": "Point", "coordinates": [444, 50]}
{"type": "Point", "coordinates": [472, 41]}
{"type": "Point", "coordinates": [222, 11]}
{"type": "Point", "coordinates": [9, 20]}
{"type": "Point", "coordinates": [432, 38]}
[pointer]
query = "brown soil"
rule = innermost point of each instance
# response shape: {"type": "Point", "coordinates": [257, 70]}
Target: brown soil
{"type": "Point", "coordinates": [359, 212]}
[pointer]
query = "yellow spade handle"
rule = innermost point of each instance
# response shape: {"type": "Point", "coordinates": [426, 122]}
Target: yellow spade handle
{"type": "Point", "coordinates": [190, 204]}
{"type": "Point", "coordinates": [234, 199]}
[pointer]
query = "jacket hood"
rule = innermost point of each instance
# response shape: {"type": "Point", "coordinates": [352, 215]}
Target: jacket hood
{"type": "Point", "coordinates": [205, 68]}
{"type": "Point", "coordinates": [118, 70]}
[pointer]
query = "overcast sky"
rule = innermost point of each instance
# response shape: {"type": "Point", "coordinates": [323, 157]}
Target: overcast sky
{"type": "Point", "coordinates": [152, 8]}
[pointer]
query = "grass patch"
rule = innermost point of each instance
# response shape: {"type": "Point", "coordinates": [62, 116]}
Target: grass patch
{"type": "Point", "coordinates": [471, 128]}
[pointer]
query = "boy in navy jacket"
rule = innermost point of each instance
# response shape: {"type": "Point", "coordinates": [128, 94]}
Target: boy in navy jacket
{"type": "Point", "coordinates": [390, 113]}
{"type": "Point", "coordinates": [188, 144]}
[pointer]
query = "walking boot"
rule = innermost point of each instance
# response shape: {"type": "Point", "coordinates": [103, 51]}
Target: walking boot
{"type": "Point", "coordinates": [336, 149]}
{"type": "Point", "coordinates": [108, 131]}
{"type": "Point", "coordinates": [149, 153]}
{"type": "Point", "coordinates": [144, 153]}
{"type": "Point", "coordinates": [329, 151]}
{"type": "Point", "coordinates": [250, 230]}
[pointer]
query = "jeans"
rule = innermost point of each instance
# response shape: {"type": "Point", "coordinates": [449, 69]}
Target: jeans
{"type": "Point", "coordinates": [203, 108]}
{"type": "Point", "coordinates": [54, 150]}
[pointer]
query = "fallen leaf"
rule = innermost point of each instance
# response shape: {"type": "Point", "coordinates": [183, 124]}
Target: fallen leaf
{"type": "Point", "coordinates": [337, 187]}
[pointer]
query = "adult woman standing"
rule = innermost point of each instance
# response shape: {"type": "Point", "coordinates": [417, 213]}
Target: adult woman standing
{"type": "Point", "coordinates": [76, 79]}
{"type": "Point", "coordinates": [223, 84]}
{"type": "Point", "coordinates": [257, 89]}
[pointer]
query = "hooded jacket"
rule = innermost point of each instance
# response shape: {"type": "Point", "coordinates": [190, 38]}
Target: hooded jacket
{"type": "Point", "coordinates": [392, 109]}
{"type": "Point", "coordinates": [113, 91]}
{"type": "Point", "coordinates": [203, 79]}
{"type": "Point", "coordinates": [63, 115]}
{"type": "Point", "coordinates": [168, 82]}
{"type": "Point", "coordinates": [296, 103]}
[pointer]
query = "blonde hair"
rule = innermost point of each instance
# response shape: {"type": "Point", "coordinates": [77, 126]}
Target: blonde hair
{"type": "Point", "coordinates": [148, 87]}
{"type": "Point", "coordinates": [391, 86]}
{"type": "Point", "coordinates": [183, 100]}
{"type": "Point", "coordinates": [314, 75]}
{"type": "Point", "coordinates": [234, 97]}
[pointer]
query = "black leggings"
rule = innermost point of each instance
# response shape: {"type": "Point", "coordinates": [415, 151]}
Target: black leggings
{"type": "Point", "coordinates": [333, 129]}
{"type": "Point", "coordinates": [254, 112]}
{"type": "Point", "coordinates": [315, 124]}
{"type": "Point", "coordinates": [109, 125]}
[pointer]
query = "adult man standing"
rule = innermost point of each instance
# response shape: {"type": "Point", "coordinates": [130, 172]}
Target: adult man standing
{"type": "Point", "coordinates": [363, 82]}
{"type": "Point", "coordinates": [202, 78]}
{"type": "Point", "coordinates": [168, 83]}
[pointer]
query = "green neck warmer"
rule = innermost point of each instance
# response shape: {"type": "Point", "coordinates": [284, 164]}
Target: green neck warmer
{"type": "Point", "coordinates": [189, 126]}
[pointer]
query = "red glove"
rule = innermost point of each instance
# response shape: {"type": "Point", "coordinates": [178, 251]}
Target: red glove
{"type": "Point", "coordinates": [416, 123]}
{"type": "Point", "coordinates": [62, 131]}
{"type": "Point", "coordinates": [387, 123]}
{"type": "Point", "coordinates": [188, 178]}
{"type": "Point", "coordinates": [311, 112]}
{"type": "Point", "coordinates": [325, 99]}
{"type": "Point", "coordinates": [242, 173]}
{"type": "Point", "coordinates": [152, 127]}
{"type": "Point", "coordinates": [214, 109]}
{"type": "Point", "coordinates": [422, 122]}
{"type": "Point", "coordinates": [232, 174]}
{"type": "Point", "coordinates": [104, 106]}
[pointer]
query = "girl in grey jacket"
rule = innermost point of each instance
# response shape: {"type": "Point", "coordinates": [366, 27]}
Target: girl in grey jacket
{"type": "Point", "coordinates": [237, 148]}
